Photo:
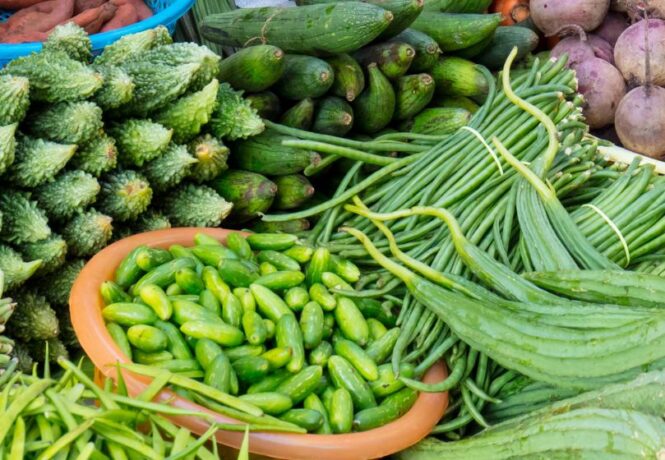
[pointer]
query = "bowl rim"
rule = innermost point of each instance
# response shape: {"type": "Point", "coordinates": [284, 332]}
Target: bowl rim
{"type": "Point", "coordinates": [85, 309]}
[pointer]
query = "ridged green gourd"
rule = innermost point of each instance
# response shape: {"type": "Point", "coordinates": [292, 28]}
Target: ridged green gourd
{"type": "Point", "coordinates": [234, 117]}
{"type": "Point", "coordinates": [140, 141]}
{"type": "Point", "coordinates": [187, 115]}
{"type": "Point", "coordinates": [14, 98]}
{"type": "Point", "coordinates": [211, 155]}
{"type": "Point", "coordinates": [37, 161]}
{"type": "Point", "coordinates": [156, 85]}
{"type": "Point", "coordinates": [132, 45]}
{"type": "Point", "coordinates": [249, 192]}
{"type": "Point", "coordinates": [186, 53]}
{"type": "Point", "coordinates": [587, 433]}
{"type": "Point", "coordinates": [169, 169]}
{"type": "Point", "coordinates": [21, 353]}
{"type": "Point", "coordinates": [125, 194]}
{"type": "Point", "coordinates": [413, 93]}
{"type": "Point", "coordinates": [300, 116]}
{"type": "Point", "coordinates": [149, 221]}
{"type": "Point", "coordinates": [87, 233]}
{"type": "Point", "coordinates": [69, 193]}
{"type": "Point", "coordinates": [67, 122]}
{"type": "Point", "coordinates": [98, 156]}
{"type": "Point", "coordinates": [55, 77]}
{"type": "Point", "coordinates": [71, 39]}
{"type": "Point", "coordinates": [23, 221]}
{"type": "Point", "coordinates": [33, 319]}
{"type": "Point", "coordinates": [51, 251]}
{"type": "Point", "coordinates": [334, 116]}
{"type": "Point", "coordinates": [67, 335]}
{"type": "Point", "coordinates": [15, 269]}
{"type": "Point", "coordinates": [57, 286]}
{"type": "Point", "coordinates": [254, 68]}
{"type": "Point", "coordinates": [427, 49]}
{"type": "Point", "coordinates": [392, 58]}
{"type": "Point", "coordinates": [195, 206]}
{"type": "Point", "coordinates": [7, 146]}
{"type": "Point", "coordinates": [117, 90]}
{"type": "Point", "coordinates": [349, 77]}
{"type": "Point", "coordinates": [375, 107]}
{"type": "Point", "coordinates": [313, 29]}
{"type": "Point", "coordinates": [7, 307]}
{"type": "Point", "coordinates": [304, 76]}
{"type": "Point", "coordinates": [56, 349]}
{"type": "Point", "coordinates": [292, 191]}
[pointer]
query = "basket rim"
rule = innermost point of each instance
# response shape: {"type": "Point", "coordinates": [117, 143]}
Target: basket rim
{"type": "Point", "coordinates": [169, 14]}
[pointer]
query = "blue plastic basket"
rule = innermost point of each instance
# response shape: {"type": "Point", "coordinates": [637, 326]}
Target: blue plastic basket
{"type": "Point", "coordinates": [167, 13]}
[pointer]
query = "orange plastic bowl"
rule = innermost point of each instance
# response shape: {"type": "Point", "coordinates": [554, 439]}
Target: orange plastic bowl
{"type": "Point", "coordinates": [86, 305]}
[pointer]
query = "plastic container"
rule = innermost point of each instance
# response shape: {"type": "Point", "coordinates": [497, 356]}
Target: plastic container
{"type": "Point", "coordinates": [86, 305]}
{"type": "Point", "coordinates": [167, 13]}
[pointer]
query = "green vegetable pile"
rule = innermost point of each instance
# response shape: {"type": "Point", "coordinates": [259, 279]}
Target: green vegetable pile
{"type": "Point", "coordinates": [95, 150]}
{"type": "Point", "coordinates": [7, 307]}
{"type": "Point", "coordinates": [263, 327]}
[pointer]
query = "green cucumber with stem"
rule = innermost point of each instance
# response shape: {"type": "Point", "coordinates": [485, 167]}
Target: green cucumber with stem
{"type": "Point", "coordinates": [392, 58]}
{"type": "Point", "coordinates": [334, 116]}
{"type": "Point", "coordinates": [455, 32]}
{"type": "Point", "coordinates": [304, 76]}
{"type": "Point", "coordinates": [412, 93]}
{"type": "Point", "coordinates": [439, 121]}
{"type": "Point", "coordinates": [266, 104]}
{"type": "Point", "coordinates": [375, 107]}
{"type": "Point", "coordinates": [300, 115]}
{"type": "Point", "coordinates": [455, 76]}
{"type": "Point", "coordinates": [265, 154]}
{"type": "Point", "coordinates": [427, 49]}
{"type": "Point", "coordinates": [253, 69]}
{"type": "Point", "coordinates": [349, 77]}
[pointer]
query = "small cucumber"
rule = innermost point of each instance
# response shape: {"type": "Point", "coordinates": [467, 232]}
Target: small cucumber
{"type": "Point", "coordinates": [301, 254]}
{"type": "Point", "coordinates": [318, 264]}
{"type": "Point", "coordinates": [270, 328]}
{"type": "Point", "coordinates": [309, 419]}
{"type": "Point", "coordinates": [147, 358]}
{"type": "Point", "coordinates": [300, 115]}
{"type": "Point", "coordinates": [457, 31]}
{"type": "Point", "coordinates": [179, 251]}
{"type": "Point", "coordinates": [177, 344]}
{"type": "Point", "coordinates": [250, 193]}
{"type": "Point", "coordinates": [281, 280]}
{"type": "Point", "coordinates": [189, 281]}
{"type": "Point", "coordinates": [345, 376]}
{"type": "Point", "coordinates": [254, 327]}
{"type": "Point", "coordinates": [388, 383]}
{"type": "Point", "coordinates": [269, 304]}
{"type": "Point", "coordinates": [413, 93]}
{"type": "Point", "coordinates": [173, 290]}
{"type": "Point", "coordinates": [375, 107]}
{"type": "Point", "coordinates": [345, 269]}
{"type": "Point", "coordinates": [163, 275]}
{"type": "Point", "coordinates": [328, 325]}
{"type": "Point", "coordinates": [371, 308]}
{"type": "Point", "coordinates": [251, 369]}
{"type": "Point", "coordinates": [334, 116]}
{"type": "Point", "coordinates": [277, 357]}
{"type": "Point", "coordinates": [237, 273]}
{"type": "Point", "coordinates": [351, 321]}
{"type": "Point", "coordinates": [129, 314]}
{"type": "Point", "coordinates": [186, 297]}
{"type": "Point", "coordinates": [246, 299]}
{"type": "Point", "coordinates": [209, 301]}
{"type": "Point", "coordinates": [427, 49]}
{"type": "Point", "coordinates": [266, 268]}
{"type": "Point", "coordinates": [402, 401]}
{"type": "Point", "coordinates": [440, 121]}
{"type": "Point", "coordinates": [454, 76]}
{"type": "Point", "coordinates": [265, 154]}
{"type": "Point", "coordinates": [298, 386]}
{"type": "Point", "coordinates": [232, 311]}
{"type": "Point", "coordinates": [269, 402]}
{"type": "Point", "coordinates": [296, 298]}
{"type": "Point", "coordinates": [320, 355]}
{"type": "Point", "coordinates": [289, 335]}
{"type": "Point", "coordinates": [319, 294]}
{"type": "Point", "coordinates": [313, 402]}
{"type": "Point", "coordinates": [185, 311]}
{"type": "Point", "coordinates": [502, 44]}
{"type": "Point", "coordinates": [380, 349]}
{"type": "Point", "coordinates": [238, 244]}
{"type": "Point", "coordinates": [151, 258]}
{"type": "Point", "coordinates": [181, 366]}
{"type": "Point", "coordinates": [113, 293]}
{"type": "Point", "coordinates": [376, 329]}
{"type": "Point", "coordinates": [341, 411]}
{"type": "Point", "coordinates": [203, 239]}
{"type": "Point", "coordinates": [129, 272]}
{"type": "Point", "coordinates": [215, 284]}
{"type": "Point", "coordinates": [271, 241]}
{"type": "Point", "coordinates": [119, 336]}
{"type": "Point", "coordinates": [358, 358]}
{"type": "Point", "coordinates": [293, 190]}
{"type": "Point", "coordinates": [460, 102]}
{"type": "Point", "coordinates": [392, 58]}
{"type": "Point", "coordinates": [311, 324]}
{"type": "Point", "coordinates": [147, 338]}
{"type": "Point", "coordinates": [254, 68]}
{"type": "Point", "coordinates": [224, 334]}
{"type": "Point", "coordinates": [244, 351]}
{"type": "Point", "coordinates": [218, 373]}
{"type": "Point", "coordinates": [279, 260]}
{"type": "Point", "coordinates": [206, 351]}
{"type": "Point", "coordinates": [266, 104]}
{"type": "Point", "coordinates": [304, 76]}
{"type": "Point", "coordinates": [349, 77]}
{"type": "Point", "coordinates": [374, 417]}
{"type": "Point", "coordinates": [270, 383]}
{"type": "Point", "coordinates": [213, 254]}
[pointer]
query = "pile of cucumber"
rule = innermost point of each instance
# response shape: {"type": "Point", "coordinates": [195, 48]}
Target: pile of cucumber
{"type": "Point", "coordinates": [257, 319]}
{"type": "Point", "coordinates": [362, 70]}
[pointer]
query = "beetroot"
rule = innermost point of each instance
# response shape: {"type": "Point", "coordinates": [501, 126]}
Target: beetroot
{"type": "Point", "coordinates": [655, 8]}
{"type": "Point", "coordinates": [603, 87]}
{"type": "Point", "coordinates": [582, 49]}
{"type": "Point", "coordinates": [612, 27]}
{"type": "Point", "coordinates": [630, 53]}
{"type": "Point", "coordinates": [601, 48]}
{"type": "Point", "coordinates": [640, 121]}
{"type": "Point", "coordinates": [555, 16]}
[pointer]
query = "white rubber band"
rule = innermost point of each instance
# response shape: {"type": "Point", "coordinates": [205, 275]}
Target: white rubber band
{"type": "Point", "coordinates": [614, 228]}
{"type": "Point", "coordinates": [487, 146]}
